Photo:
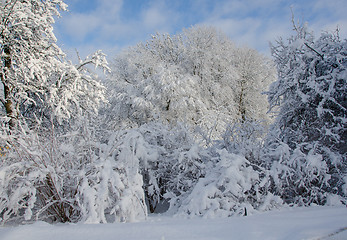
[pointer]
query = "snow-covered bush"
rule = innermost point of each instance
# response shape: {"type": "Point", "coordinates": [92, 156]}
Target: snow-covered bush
{"type": "Point", "coordinates": [170, 161]}
{"type": "Point", "coordinates": [245, 137]}
{"type": "Point", "coordinates": [232, 186]}
{"type": "Point", "coordinates": [303, 176]}
{"type": "Point", "coordinates": [183, 177]}
{"type": "Point", "coordinates": [234, 182]}
{"type": "Point", "coordinates": [67, 178]}
{"type": "Point", "coordinates": [111, 187]}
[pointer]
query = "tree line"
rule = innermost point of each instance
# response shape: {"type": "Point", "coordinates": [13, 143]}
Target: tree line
{"type": "Point", "coordinates": [189, 124]}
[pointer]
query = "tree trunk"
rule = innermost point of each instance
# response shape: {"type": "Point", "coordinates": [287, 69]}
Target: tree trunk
{"type": "Point", "coordinates": [242, 109]}
{"type": "Point", "coordinates": [8, 103]}
{"type": "Point", "coordinates": [10, 111]}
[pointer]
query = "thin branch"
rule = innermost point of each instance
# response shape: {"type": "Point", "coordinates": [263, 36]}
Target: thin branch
{"type": "Point", "coordinates": [78, 55]}
{"type": "Point", "coordinates": [83, 64]}
{"type": "Point", "coordinates": [319, 54]}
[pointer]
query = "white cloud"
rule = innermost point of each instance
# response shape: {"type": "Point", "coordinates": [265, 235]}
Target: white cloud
{"type": "Point", "coordinates": [109, 9]}
{"type": "Point", "coordinates": [104, 24]}
{"type": "Point", "coordinates": [81, 25]}
{"type": "Point", "coordinates": [252, 23]}
{"type": "Point", "coordinates": [78, 26]}
{"type": "Point", "coordinates": [335, 7]}
{"type": "Point", "coordinates": [153, 17]}
{"type": "Point", "coordinates": [328, 15]}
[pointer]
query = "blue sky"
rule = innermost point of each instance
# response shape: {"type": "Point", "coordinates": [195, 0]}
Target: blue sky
{"type": "Point", "coordinates": [112, 25]}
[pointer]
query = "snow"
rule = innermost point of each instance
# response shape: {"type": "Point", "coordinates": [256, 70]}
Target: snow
{"type": "Point", "coordinates": [288, 223]}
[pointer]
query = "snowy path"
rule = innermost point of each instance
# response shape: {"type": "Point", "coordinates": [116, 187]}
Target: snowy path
{"type": "Point", "coordinates": [291, 224]}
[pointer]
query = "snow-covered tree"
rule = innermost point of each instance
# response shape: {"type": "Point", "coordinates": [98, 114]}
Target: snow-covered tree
{"type": "Point", "coordinates": [34, 73]}
{"type": "Point", "coordinates": [255, 74]}
{"type": "Point", "coordinates": [53, 165]}
{"type": "Point", "coordinates": [308, 141]}
{"type": "Point", "coordinates": [146, 84]}
{"type": "Point", "coordinates": [28, 50]}
{"type": "Point", "coordinates": [192, 77]}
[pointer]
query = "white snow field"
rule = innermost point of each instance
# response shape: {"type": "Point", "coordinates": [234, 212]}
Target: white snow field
{"type": "Point", "coordinates": [290, 223]}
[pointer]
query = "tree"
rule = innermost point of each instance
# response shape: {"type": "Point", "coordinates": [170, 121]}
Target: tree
{"type": "Point", "coordinates": [34, 72]}
{"type": "Point", "coordinates": [28, 50]}
{"type": "Point", "coordinates": [192, 77]}
{"type": "Point", "coordinates": [54, 167]}
{"type": "Point", "coordinates": [255, 74]}
{"type": "Point", "coordinates": [146, 84]}
{"type": "Point", "coordinates": [309, 137]}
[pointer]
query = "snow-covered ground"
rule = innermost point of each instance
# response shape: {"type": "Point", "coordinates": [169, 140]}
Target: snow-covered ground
{"type": "Point", "coordinates": [291, 224]}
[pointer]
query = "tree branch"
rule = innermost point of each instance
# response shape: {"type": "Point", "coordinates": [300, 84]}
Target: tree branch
{"type": "Point", "coordinates": [83, 64]}
{"type": "Point", "coordinates": [319, 54]}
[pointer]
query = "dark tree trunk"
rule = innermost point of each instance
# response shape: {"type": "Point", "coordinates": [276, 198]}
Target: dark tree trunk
{"type": "Point", "coordinates": [8, 103]}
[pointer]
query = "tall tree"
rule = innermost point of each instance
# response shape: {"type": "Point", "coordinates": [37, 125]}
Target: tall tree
{"type": "Point", "coordinates": [33, 69]}
{"type": "Point", "coordinates": [53, 164]}
{"type": "Point", "coordinates": [191, 77]}
{"type": "Point", "coordinates": [28, 50]}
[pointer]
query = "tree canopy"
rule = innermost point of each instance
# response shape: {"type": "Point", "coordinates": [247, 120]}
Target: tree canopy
{"type": "Point", "coordinates": [198, 77]}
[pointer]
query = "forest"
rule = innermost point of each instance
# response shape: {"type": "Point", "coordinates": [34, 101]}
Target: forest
{"type": "Point", "coordinates": [187, 124]}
